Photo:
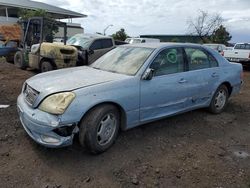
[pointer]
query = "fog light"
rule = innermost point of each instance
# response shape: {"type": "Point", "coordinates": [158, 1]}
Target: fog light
{"type": "Point", "coordinates": [49, 139]}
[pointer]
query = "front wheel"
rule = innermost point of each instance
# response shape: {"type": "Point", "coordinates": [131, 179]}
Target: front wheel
{"type": "Point", "coordinates": [219, 100]}
{"type": "Point", "coordinates": [19, 60]}
{"type": "Point", "coordinates": [99, 129]}
{"type": "Point", "coordinates": [46, 66]}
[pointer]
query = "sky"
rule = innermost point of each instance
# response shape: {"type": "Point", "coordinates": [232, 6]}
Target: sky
{"type": "Point", "coordinates": [139, 17]}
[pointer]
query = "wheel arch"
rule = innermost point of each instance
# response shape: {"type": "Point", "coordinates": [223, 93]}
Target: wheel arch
{"type": "Point", "coordinates": [229, 87]}
{"type": "Point", "coordinates": [118, 106]}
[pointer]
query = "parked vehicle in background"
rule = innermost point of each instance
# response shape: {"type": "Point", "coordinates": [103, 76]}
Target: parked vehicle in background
{"type": "Point", "coordinates": [91, 46]}
{"type": "Point", "coordinates": [240, 54]}
{"type": "Point", "coordinates": [128, 86]}
{"type": "Point", "coordinates": [119, 42]}
{"type": "Point", "coordinates": [37, 51]}
{"type": "Point", "coordinates": [217, 47]}
{"type": "Point", "coordinates": [141, 40]}
{"type": "Point", "coordinates": [10, 36]}
{"type": "Point", "coordinates": [8, 50]}
{"type": "Point", "coordinates": [229, 48]}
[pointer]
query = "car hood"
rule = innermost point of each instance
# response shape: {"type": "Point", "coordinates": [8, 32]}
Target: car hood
{"type": "Point", "coordinates": [70, 79]}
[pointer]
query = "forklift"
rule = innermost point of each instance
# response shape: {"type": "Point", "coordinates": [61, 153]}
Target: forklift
{"type": "Point", "coordinates": [37, 50]}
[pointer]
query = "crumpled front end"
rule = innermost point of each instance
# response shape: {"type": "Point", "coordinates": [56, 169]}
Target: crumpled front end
{"type": "Point", "coordinates": [44, 128]}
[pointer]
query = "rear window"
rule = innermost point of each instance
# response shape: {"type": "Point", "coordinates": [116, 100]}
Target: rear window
{"type": "Point", "coordinates": [242, 46]}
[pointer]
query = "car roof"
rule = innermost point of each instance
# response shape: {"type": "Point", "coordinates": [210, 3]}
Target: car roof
{"type": "Point", "coordinates": [242, 43]}
{"type": "Point", "coordinates": [213, 44]}
{"type": "Point", "coordinates": [161, 44]}
{"type": "Point", "coordinates": [141, 38]}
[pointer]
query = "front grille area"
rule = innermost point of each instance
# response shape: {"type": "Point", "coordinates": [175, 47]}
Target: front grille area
{"type": "Point", "coordinates": [30, 94]}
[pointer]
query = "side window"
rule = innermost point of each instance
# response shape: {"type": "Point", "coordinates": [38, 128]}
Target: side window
{"type": "Point", "coordinates": [197, 59]}
{"type": "Point", "coordinates": [96, 45]}
{"type": "Point", "coordinates": [168, 61]}
{"type": "Point", "coordinates": [106, 43]}
{"type": "Point", "coordinates": [213, 61]}
{"type": "Point", "coordinates": [237, 46]}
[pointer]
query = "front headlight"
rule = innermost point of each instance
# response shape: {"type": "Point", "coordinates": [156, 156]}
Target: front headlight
{"type": "Point", "coordinates": [57, 103]}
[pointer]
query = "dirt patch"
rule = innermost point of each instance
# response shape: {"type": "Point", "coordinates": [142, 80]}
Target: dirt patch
{"type": "Point", "coordinates": [195, 149]}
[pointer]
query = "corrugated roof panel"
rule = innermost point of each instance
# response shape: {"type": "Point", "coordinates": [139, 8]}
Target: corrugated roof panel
{"type": "Point", "coordinates": [39, 5]}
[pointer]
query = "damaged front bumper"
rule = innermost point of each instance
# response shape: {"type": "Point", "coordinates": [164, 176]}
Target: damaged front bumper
{"type": "Point", "coordinates": [46, 129]}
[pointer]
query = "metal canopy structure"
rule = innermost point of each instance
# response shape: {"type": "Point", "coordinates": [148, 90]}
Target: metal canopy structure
{"type": "Point", "coordinates": [56, 12]}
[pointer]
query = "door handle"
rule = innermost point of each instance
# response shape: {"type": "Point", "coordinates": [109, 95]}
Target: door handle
{"type": "Point", "coordinates": [236, 52]}
{"type": "Point", "coordinates": [215, 74]}
{"type": "Point", "coordinates": [182, 81]}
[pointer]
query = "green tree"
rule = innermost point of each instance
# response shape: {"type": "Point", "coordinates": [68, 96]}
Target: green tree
{"type": "Point", "coordinates": [50, 26]}
{"type": "Point", "coordinates": [221, 36]}
{"type": "Point", "coordinates": [204, 25]}
{"type": "Point", "coordinates": [120, 35]}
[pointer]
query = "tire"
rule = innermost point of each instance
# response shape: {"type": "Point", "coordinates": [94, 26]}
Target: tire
{"type": "Point", "coordinates": [46, 66]}
{"type": "Point", "coordinates": [99, 129]}
{"type": "Point", "coordinates": [219, 100]}
{"type": "Point", "coordinates": [19, 60]}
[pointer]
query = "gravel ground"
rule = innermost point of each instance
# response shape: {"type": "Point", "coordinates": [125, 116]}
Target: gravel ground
{"type": "Point", "coordinates": [195, 149]}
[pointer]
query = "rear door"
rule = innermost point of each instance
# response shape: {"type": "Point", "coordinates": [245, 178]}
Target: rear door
{"type": "Point", "coordinates": [203, 76]}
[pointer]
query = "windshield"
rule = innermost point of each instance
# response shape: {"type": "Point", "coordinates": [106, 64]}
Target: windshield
{"type": "Point", "coordinates": [124, 60]}
{"type": "Point", "coordinates": [80, 40]}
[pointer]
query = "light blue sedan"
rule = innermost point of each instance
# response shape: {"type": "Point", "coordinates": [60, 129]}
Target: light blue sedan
{"type": "Point", "coordinates": [129, 86]}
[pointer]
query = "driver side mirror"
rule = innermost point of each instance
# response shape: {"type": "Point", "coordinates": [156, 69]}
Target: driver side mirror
{"type": "Point", "coordinates": [148, 74]}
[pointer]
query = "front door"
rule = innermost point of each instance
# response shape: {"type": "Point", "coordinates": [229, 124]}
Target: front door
{"type": "Point", "coordinates": [165, 93]}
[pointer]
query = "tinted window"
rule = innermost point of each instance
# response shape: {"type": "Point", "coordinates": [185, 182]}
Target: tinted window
{"type": "Point", "coordinates": [106, 43]}
{"type": "Point", "coordinates": [243, 46]}
{"type": "Point", "coordinates": [96, 45]}
{"type": "Point", "coordinates": [197, 59]}
{"type": "Point", "coordinates": [168, 61]}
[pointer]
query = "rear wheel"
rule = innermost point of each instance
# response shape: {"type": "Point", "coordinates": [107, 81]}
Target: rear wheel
{"type": "Point", "coordinates": [19, 60]}
{"type": "Point", "coordinates": [99, 128]}
{"type": "Point", "coordinates": [219, 100]}
{"type": "Point", "coordinates": [46, 66]}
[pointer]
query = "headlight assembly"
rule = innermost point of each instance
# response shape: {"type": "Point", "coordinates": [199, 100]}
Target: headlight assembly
{"type": "Point", "coordinates": [57, 103]}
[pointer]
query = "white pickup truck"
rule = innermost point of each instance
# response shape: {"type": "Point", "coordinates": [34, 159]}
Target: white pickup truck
{"type": "Point", "coordinates": [240, 53]}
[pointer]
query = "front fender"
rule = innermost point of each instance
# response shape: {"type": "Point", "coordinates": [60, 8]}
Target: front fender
{"type": "Point", "coordinates": [124, 93]}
